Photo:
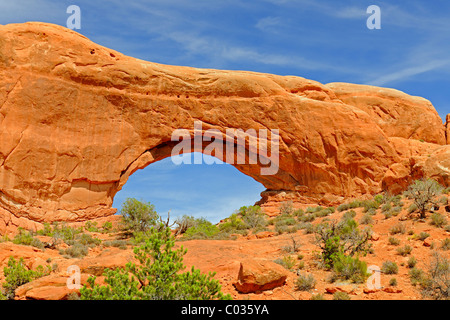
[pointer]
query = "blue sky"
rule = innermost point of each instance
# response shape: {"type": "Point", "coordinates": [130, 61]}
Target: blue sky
{"type": "Point", "coordinates": [326, 41]}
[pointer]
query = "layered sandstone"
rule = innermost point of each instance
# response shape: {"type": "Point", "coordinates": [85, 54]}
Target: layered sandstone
{"type": "Point", "coordinates": [77, 119]}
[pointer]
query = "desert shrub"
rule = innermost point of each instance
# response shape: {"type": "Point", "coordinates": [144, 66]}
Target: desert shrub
{"type": "Point", "coordinates": [341, 296]}
{"type": "Point", "coordinates": [107, 227]}
{"type": "Point", "coordinates": [398, 228]}
{"type": "Point", "coordinates": [393, 241]}
{"type": "Point", "coordinates": [386, 207]}
{"type": "Point", "coordinates": [308, 227]}
{"type": "Point", "coordinates": [308, 217]}
{"type": "Point", "coordinates": [287, 208]}
{"type": "Point", "coordinates": [416, 275]}
{"type": "Point", "coordinates": [389, 267]}
{"type": "Point", "coordinates": [46, 230]}
{"type": "Point", "coordinates": [293, 229]}
{"type": "Point", "coordinates": [349, 268]}
{"type": "Point", "coordinates": [405, 250]}
{"type": "Point", "coordinates": [423, 235]}
{"type": "Point", "coordinates": [318, 296]}
{"type": "Point", "coordinates": [371, 206]}
{"type": "Point", "coordinates": [26, 238]}
{"type": "Point", "coordinates": [183, 223]}
{"type": "Point", "coordinates": [343, 207]}
{"type": "Point", "coordinates": [77, 250]}
{"type": "Point", "coordinates": [411, 263]}
{"type": "Point", "coordinates": [314, 209]}
{"type": "Point", "coordinates": [412, 208]}
{"type": "Point", "coordinates": [352, 205]}
{"type": "Point", "coordinates": [158, 276]}
{"type": "Point", "coordinates": [281, 229]}
{"type": "Point", "coordinates": [324, 212]}
{"type": "Point", "coordinates": [340, 238]}
{"type": "Point", "coordinates": [393, 282]}
{"type": "Point", "coordinates": [287, 261]}
{"type": "Point", "coordinates": [445, 244]}
{"type": "Point", "coordinates": [443, 200]}
{"type": "Point", "coordinates": [424, 194]}
{"type": "Point", "coordinates": [305, 282]}
{"type": "Point", "coordinates": [292, 247]}
{"type": "Point", "coordinates": [138, 237]}
{"type": "Point", "coordinates": [298, 212]}
{"type": "Point", "coordinates": [366, 219]}
{"type": "Point", "coordinates": [233, 223]}
{"type": "Point", "coordinates": [203, 229]}
{"type": "Point", "coordinates": [253, 217]}
{"type": "Point", "coordinates": [379, 198]}
{"type": "Point", "coordinates": [396, 210]}
{"type": "Point", "coordinates": [16, 274]}
{"type": "Point", "coordinates": [91, 226]}
{"type": "Point", "coordinates": [88, 240]}
{"type": "Point", "coordinates": [285, 221]}
{"type": "Point", "coordinates": [64, 232]}
{"type": "Point", "coordinates": [121, 244]}
{"type": "Point", "coordinates": [438, 220]}
{"type": "Point", "coordinates": [436, 283]}
{"type": "Point", "coordinates": [348, 215]}
{"type": "Point", "coordinates": [138, 215]}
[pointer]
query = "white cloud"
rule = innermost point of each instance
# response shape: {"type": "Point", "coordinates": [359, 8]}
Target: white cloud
{"type": "Point", "coordinates": [267, 23]}
{"type": "Point", "coordinates": [408, 72]}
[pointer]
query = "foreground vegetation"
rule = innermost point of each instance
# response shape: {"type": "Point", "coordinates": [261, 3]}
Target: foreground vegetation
{"type": "Point", "coordinates": [341, 239]}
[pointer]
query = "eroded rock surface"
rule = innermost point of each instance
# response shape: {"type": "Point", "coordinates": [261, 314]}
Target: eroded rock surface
{"type": "Point", "coordinates": [77, 119]}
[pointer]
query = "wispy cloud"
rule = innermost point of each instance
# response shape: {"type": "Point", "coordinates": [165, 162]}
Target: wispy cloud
{"type": "Point", "coordinates": [409, 72]}
{"type": "Point", "coordinates": [268, 23]}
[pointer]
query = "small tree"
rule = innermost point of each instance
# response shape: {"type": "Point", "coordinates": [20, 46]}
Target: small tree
{"type": "Point", "coordinates": [253, 216]}
{"type": "Point", "coordinates": [157, 276]}
{"type": "Point", "coordinates": [184, 223]}
{"type": "Point", "coordinates": [337, 239]}
{"type": "Point", "coordinates": [424, 193]}
{"type": "Point", "coordinates": [138, 216]}
{"type": "Point", "coordinates": [16, 274]}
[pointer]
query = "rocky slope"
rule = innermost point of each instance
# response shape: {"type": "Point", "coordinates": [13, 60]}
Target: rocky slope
{"type": "Point", "coordinates": [77, 119]}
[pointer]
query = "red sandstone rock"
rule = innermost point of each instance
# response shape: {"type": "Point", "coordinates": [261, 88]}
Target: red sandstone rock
{"type": "Point", "coordinates": [259, 275]}
{"type": "Point", "coordinates": [265, 234]}
{"type": "Point", "coordinates": [392, 290]}
{"type": "Point", "coordinates": [66, 153]}
{"type": "Point", "coordinates": [427, 242]}
{"type": "Point", "coordinates": [112, 258]}
{"type": "Point", "coordinates": [51, 287]}
{"type": "Point", "coordinates": [396, 113]}
{"type": "Point", "coordinates": [374, 236]}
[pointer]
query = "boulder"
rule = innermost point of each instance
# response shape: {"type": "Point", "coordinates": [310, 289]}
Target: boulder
{"type": "Point", "coordinates": [259, 275]}
{"type": "Point", "coordinates": [51, 287]}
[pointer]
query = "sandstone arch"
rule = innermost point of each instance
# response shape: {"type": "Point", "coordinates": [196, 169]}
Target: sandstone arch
{"type": "Point", "coordinates": [76, 119]}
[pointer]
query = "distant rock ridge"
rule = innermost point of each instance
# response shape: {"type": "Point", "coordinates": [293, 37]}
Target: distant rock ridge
{"type": "Point", "coordinates": [77, 119]}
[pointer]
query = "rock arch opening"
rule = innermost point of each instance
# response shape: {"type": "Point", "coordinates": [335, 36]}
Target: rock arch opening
{"type": "Point", "coordinates": [209, 190]}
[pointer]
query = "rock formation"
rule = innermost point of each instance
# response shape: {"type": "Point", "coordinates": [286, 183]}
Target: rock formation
{"type": "Point", "coordinates": [259, 275]}
{"type": "Point", "coordinates": [447, 125]}
{"type": "Point", "coordinates": [77, 119]}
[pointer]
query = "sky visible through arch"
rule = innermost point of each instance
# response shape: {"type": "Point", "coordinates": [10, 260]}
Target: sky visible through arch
{"type": "Point", "coordinates": [327, 41]}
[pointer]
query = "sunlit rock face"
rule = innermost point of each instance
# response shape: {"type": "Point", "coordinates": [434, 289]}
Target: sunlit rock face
{"type": "Point", "coordinates": [77, 119]}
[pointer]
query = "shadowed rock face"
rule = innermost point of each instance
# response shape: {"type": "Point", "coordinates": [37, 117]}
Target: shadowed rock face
{"type": "Point", "coordinates": [77, 119]}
